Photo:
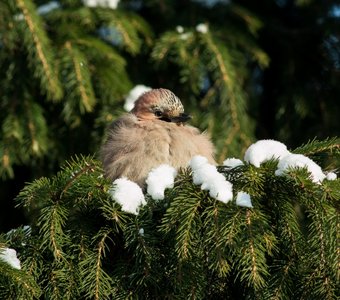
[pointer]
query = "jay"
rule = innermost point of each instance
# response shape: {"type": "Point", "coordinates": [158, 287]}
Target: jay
{"type": "Point", "coordinates": [154, 132]}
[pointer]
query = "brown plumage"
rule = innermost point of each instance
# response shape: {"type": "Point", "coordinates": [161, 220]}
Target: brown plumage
{"type": "Point", "coordinates": [153, 133]}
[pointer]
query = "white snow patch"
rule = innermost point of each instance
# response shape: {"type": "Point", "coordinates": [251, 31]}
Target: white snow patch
{"type": "Point", "coordinates": [232, 162]}
{"type": "Point", "coordinates": [202, 28]}
{"type": "Point", "coordinates": [128, 194]}
{"type": "Point", "coordinates": [264, 150]}
{"type": "Point", "coordinates": [185, 35]}
{"type": "Point", "coordinates": [300, 161]}
{"type": "Point", "coordinates": [198, 161]}
{"type": "Point", "coordinates": [243, 199]}
{"type": "Point", "coordinates": [210, 179]}
{"type": "Point", "coordinates": [179, 29]}
{"type": "Point", "coordinates": [331, 176]}
{"type": "Point", "coordinates": [133, 95]}
{"type": "Point", "coordinates": [141, 232]}
{"type": "Point", "coordinates": [9, 256]}
{"type": "Point", "coordinates": [204, 175]}
{"type": "Point", "coordinates": [159, 179]}
{"type": "Point", "coordinates": [102, 3]}
{"type": "Point", "coordinates": [221, 190]}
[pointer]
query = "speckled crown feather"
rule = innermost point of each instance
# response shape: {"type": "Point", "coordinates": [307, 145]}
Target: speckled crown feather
{"type": "Point", "coordinates": [160, 99]}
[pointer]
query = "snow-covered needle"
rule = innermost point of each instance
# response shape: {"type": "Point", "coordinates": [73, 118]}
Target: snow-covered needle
{"type": "Point", "coordinates": [300, 161]}
{"type": "Point", "coordinates": [210, 179]}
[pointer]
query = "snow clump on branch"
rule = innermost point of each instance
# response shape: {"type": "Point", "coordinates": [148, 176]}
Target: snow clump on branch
{"type": "Point", "coordinates": [9, 256]}
{"type": "Point", "coordinates": [232, 162]}
{"type": "Point", "coordinates": [159, 179]}
{"type": "Point", "coordinates": [300, 161]}
{"type": "Point", "coordinates": [202, 28]}
{"type": "Point", "coordinates": [264, 150]}
{"type": "Point", "coordinates": [243, 199]}
{"type": "Point", "coordinates": [179, 29]}
{"type": "Point", "coordinates": [331, 176]}
{"type": "Point", "coordinates": [128, 194]}
{"type": "Point", "coordinates": [210, 179]}
{"type": "Point", "coordinates": [101, 3]}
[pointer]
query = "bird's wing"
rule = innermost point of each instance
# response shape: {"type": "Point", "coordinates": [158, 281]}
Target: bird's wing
{"type": "Point", "coordinates": [133, 149]}
{"type": "Point", "coordinates": [117, 145]}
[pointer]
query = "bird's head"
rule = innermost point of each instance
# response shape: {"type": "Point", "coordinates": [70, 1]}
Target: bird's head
{"type": "Point", "coordinates": [161, 104]}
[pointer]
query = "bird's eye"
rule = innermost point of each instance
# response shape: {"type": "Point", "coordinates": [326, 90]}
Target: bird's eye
{"type": "Point", "coordinates": [158, 113]}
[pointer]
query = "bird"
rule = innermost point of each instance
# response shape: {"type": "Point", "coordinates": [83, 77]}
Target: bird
{"type": "Point", "coordinates": [153, 133]}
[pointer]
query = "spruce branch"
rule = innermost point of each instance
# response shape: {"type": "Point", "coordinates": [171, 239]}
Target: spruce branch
{"type": "Point", "coordinates": [97, 283]}
{"type": "Point", "coordinates": [326, 151]}
{"type": "Point", "coordinates": [214, 221]}
{"type": "Point", "coordinates": [80, 98]}
{"type": "Point", "coordinates": [323, 272]}
{"type": "Point", "coordinates": [187, 219]}
{"type": "Point", "coordinates": [281, 285]}
{"type": "Point", "coordinates": [77, 167]}
{"type": "Point", "coordinates": [16, 284]}
{"type": "Point", "coordinates": [6, 169]}
{"type": "Point", "coordinates": [36, 194]}
{"type": "Point", "coordinates": [51, 221]}
{"type": "Point", "coordinates": [108, 71]}
{"type": "Point", "coordinates": [250, 260]}
{"type": "Point", "coordinates": [222, 68]}
{"type": "Point", "coordinates": [40, 52]}
{"type": "Point", "coordinates": [164, 47]}
{"type": "Point", "coordinates": [253, 22]}
{"type": "Point", "coordinates": [25, 135]}
{"type": "Point", "coordinates": [78, 63]}
{"type": "Point", "coordinates": [187, 245]}
{"type": "Point", "coordinates": [129, 28]}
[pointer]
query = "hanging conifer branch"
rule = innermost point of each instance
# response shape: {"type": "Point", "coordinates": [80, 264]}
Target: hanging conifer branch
{"type": "Point", "coordinates": [6, 163]}
{"type": "Point", "coordinates": [52, 221]}
{"type": "Point", "coordinates": [128, 28]}
{"type": "Point", "coordinates": [213, 225]}
{"type": "Point", "coordinates": [251, 260]}
{"type": "Point", "coordinates": [99, 280]}
{"type": "Point", "coordinates": [80, 96]}
{"type": "Point", "coordinates": [86, 95]}
{"type": "Point", "coordinates": [37, 128]}
{"type": "Point", "coordinates": [27, 287]}
{"type": "Point", "coordinates": [227, 75]}
{"type": "Point", "coordinates": [40, 50]}
{"type": "Point", "coordinates": [325, 256]}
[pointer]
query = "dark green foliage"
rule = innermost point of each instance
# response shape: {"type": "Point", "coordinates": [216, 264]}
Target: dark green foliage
{"type": "Point", "coordinates": [189, 245]}
{"type": "Point", "coordinates": [66, 77]}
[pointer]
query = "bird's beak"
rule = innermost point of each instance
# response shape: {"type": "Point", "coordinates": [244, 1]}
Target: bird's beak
{"type": "Point", "coordinates": [182, 118]}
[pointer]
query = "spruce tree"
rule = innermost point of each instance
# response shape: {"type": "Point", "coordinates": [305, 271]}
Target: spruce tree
{"type": "Point", "coordinates": [82, 244]}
